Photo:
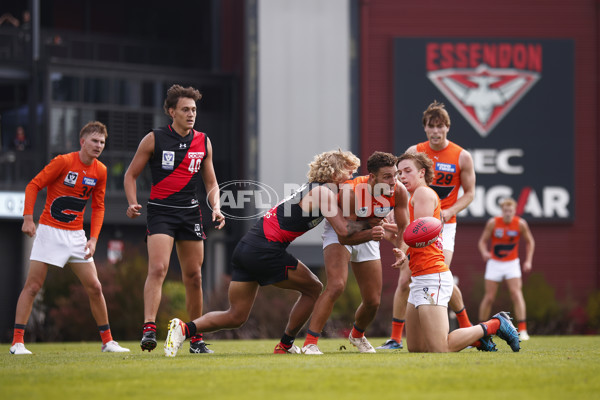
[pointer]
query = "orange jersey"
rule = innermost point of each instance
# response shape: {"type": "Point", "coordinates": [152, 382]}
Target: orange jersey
{"type": "Point", "coordinates": [446, 181]}
{"type": "Point", "coordinates": [429, 259]}
{"type": "Point", "coordinates": [505, 239]}
{"type": "Point", "coordinates": [70, 184]}
{"type": "Point", "coordinates": [366, 204]}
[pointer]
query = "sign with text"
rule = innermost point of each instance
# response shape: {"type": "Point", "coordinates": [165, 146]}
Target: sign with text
{"type": "Point", "coordinates": [511, 105]}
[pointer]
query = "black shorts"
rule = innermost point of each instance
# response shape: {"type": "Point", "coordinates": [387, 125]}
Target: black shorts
{"type": "Point", "coordinates": [263, 265]}
{"type": "Point", "coordinates": [179, 223]}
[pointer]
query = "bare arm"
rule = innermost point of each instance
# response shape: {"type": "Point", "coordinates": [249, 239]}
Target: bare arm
{"type": "Point", "coordinates": [467, 179]}
{"type": "Point", "coordinates": [482, 244]}
{"type": "Point", "coordinates": [347, 230]}
{"type": "Point", "coordinates": [529, 245]}
{"type": "Point", "coordinates": [139, 161]}
{"type": "Point", "coordinates": [402, 219]}
{"type": "Point", "coordinates": [212, 187]}
{"type": "Point", "coordinates": [358, 231]}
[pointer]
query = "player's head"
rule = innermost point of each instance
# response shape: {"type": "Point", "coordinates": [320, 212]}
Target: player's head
{"type": "Point", "coordinates": [180, 105]}
{"type": "Point", "coordinates": [436, 114]}
{"type": "Point", "coordinates": [175, 93]}
{"type": "Point", "coordinates": [92, 139]}
{"type": "Point", "coordinates": [334, 166]}
{"type": "Point", "coordinates": [382, 169]}
{"type": "Point", "coordinates": [509, 208]}
{"type": "Point", "coordinates": [93, 127]}
{"type": "Point", "coordinates": [413, 167]}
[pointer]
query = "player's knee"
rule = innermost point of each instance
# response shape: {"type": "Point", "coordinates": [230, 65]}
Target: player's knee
{"type": "Point", "coordinates": [32, 288]}
{"type": "Point", "coordinates": [158, 271]}
{"type": "Point", "coordinates": [315, 289]}
{"type": "Point", "coordinates": [94, 289]}
{"type": "Point", "coordinates": [335, 288]}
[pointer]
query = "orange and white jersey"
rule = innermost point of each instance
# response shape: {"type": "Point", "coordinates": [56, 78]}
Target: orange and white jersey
{"type": "Point", "coordinates": [428, 259]}
{"type": "Point", "coordinates": [505, 239]}
{"type": "Point", "coordinates": [70, 184]}
{"type": "Point", "coordinates": [367, 204]}
{"type": "Point", "coordinates": [446, 181]}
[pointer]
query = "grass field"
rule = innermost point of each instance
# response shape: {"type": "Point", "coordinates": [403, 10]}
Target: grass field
{"type": "Point", "coordinates": [547, 367]}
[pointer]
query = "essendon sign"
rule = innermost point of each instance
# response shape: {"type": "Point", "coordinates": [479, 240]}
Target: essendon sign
{"type": "Point", "coordinates": [511, 105]}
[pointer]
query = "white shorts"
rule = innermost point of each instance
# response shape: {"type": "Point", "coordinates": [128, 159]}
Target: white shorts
{"type": "Point", "coordinates": [59, 246]}
{"type": "Point", "coordinates": [498, 271]}
{"type": "Point", "coordinates": [448, 236]}
{"type": "Point", "coordinates": [367, 251]}
{"type": "Point", "coordinates": [431, 289]}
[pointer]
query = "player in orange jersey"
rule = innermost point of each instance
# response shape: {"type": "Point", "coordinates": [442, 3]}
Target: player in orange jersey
{"type": "Point", "coordinates": [71, 180]}
{"type": "Point", "coordinates": [502, 260]}
{"type": "Point", "coordinates": [431, 280]}
{"type": "Point", "coordinates": [370, 197]}
{"type": "Point", "coordinates": [453, 169]}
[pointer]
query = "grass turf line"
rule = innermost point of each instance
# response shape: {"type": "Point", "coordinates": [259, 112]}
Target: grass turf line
{"type": "Point", "coordinates": [549, 367]}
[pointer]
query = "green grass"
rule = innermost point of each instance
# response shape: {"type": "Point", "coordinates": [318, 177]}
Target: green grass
{"type": "Point", "coordinates": [547, 367]}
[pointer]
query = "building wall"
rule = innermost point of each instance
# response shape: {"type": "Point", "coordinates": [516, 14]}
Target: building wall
{"type": "Point", "coordinates": [574, 274]}
{"type": "Point", "coordinates": [304, 89]}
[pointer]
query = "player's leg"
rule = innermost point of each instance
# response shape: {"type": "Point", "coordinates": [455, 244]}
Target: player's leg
{"type": "Point", "coordinates": [336, 257]}
{"type": "Point", "coordinates": [300, 279]}
{"type": "Point", "coordinates": [88, 276]}
{"type": "Point", "coordinates": [415, 340]}
{"type": "Point", "coordinates": [515, 288]}
{"type": "Point", "coordinates": [159, 253]}
{"type": "Point", "coordinates": [369, 279]}
{"type": "Point", "coordinates": [241, 299]}
{"type": "Point", "coordinates": [399, 309]}
{"type": "Point", "coordinates": [434, 328]}
{"type": "Point", "coordinates": [191, 257]}
{"type": "Point", "coordinates": [485, 308]}
{"type": "Point", "coordinates": [33, 284]}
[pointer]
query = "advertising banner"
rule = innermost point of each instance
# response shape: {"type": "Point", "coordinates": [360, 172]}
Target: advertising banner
{"type": "Point", "coordinates": [511, 105]}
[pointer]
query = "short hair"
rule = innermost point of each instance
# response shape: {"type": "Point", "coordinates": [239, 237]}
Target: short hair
{"type": "Point", "coordinates": [421, 161]}
{"type": "Point", "coordinates": [93, 127]}
{"type": "Point", "coordinates": [327, 167]}
{"type": "Point", "coordinates": [508, 201]}
{"type": "Point", "coordinates": [176, 92]}
{"type": "Point", "coordinates": [436, 111]}
{"type": "Point", "coordinates": [378, 160]}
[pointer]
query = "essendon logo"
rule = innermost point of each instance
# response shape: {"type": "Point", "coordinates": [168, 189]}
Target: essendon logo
{"type": "Point", "coordinates": [484, 81]}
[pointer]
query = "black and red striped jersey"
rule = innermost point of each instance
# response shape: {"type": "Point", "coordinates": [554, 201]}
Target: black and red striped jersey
{"type": "Point", "coordinates": [175, 167]}
{"type": "Point", "coordinates": [286, 221]}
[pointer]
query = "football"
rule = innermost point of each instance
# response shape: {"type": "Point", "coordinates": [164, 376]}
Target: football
{"type": "Point", "coordinates": [422, 232]}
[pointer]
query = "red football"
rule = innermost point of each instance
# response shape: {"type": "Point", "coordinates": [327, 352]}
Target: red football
{"type": "Point", "coordinates": [422, 232]}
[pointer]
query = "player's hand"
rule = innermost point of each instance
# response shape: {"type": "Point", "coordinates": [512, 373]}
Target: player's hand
{"type": "Point", "coordinates": [527, 266]}
{"type": "Point", "coordinates": [400, 257]}
{"type": "Point", "coordinates": [375, 221]}
{"type": "Point", "coordinates": [218, 219]}
{"type": "Point", "coordinates": [90, 248]}
{"type": "Point", "coordinates": [446, 215]}
{"type": "Point", "coordinates": [486, 256]}
{"type": "Point", "coordinates": [28, 227]}
{"type": "Point", "coordinates": [377, 233]}
{"type": "Point", "coordinates": [133, 211]}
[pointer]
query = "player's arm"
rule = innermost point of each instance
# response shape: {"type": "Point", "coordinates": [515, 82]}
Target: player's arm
{"type": "Point", "coordinates": [467, 181]}
{"type": "Point", "coordinates": [136, 167]}
{"type": "Point", "coordinates": [402, 219]}
{"type": "Point", "coordinates": [424, 202]}
{"type": "Point", "coordinates": [347, 230]}
{"type": "Point", "coordinates": [482, 244]}
{"type": "Point", "coordinates": [97, 212]}
{"type": "Point", "coordinates": [212, 187]}
{"type": "Point", "coordinates": [529, 244]}
{"type": "Point", "coordinates": [364, 230]}
{"type": "Point", "coordinates": [40, 181]}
